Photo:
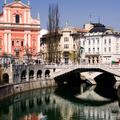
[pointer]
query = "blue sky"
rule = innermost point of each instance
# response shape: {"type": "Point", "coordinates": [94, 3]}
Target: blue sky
{"type": "Point", "coordinates": [76, 12]}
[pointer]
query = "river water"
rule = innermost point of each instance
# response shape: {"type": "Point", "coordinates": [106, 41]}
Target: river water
{"type": "Point", "coordinates": [63, 103]}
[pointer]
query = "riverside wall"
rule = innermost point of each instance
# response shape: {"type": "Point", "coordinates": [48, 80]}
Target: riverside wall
{"type": "Point", "coordinates": [12, 89]}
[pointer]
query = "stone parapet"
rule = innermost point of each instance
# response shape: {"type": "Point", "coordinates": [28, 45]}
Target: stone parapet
{"type": "Point", "coordinates": [12, 89]}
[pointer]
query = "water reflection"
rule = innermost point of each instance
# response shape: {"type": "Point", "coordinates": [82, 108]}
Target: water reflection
{"type": "Point", "coordinates": [105, 86]}
{"type": "Point", "coordinates": [58, 104]}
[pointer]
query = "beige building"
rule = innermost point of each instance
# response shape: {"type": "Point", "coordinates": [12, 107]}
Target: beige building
{"type": "Point", "coordinates": [62, 48]}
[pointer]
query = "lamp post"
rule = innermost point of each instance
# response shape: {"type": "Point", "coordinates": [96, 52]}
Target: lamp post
{"type": "Point", "coordinates": [16, 52]}
{"type": "Point", "coordinates": [81, 53]}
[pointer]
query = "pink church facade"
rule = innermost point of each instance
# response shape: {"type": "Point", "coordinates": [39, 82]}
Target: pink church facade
{"type": "Point", "coordinates": [19, 32]}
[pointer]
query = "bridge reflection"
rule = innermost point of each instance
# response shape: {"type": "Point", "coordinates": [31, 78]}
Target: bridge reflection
{"type": "Point", "coordinates": [29, 105]}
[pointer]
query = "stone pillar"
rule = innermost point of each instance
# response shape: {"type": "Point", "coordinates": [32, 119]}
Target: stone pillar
{"type": "Point", "coordinates": [9, 20]}
{"type": "Point", "coordinates": [43, 74]}
{"type": "Point", "coordinates": [35, 74]}
{"type": "Point", "coordinates": [27, 74]}
{"type": "Point", "coordinates": [5, 15]}
{"type": "Point", "coordinates": [29, 40]}
{"type": "Point", "coordinates": [20, 19]}
{"type": "Point", "coordinates": [5, 42]}
{"type": "Point", "coordinates": [25, 39]}
{"type": "Point", "coordinates": [9, 43]}
{"type": "Point", "coordinates": [95, 60]}
{"type": "Point", "coordinates": [38, 43]}
{"type": "Point", "coordinates": [91, 62]}
{"type": "Point", "coordinates": [11, 74]}
{"type": "Point", "coordinates": [29, 17]}
{"type": "Point", "coordinates": [87, 60]}
{"type": "Point", "coordinates": [25, 17]}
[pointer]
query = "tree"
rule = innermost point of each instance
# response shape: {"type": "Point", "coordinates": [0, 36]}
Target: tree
{"type": "Point", "coordinates": [73, 56]}
{"type": "Point", "coordinates": [17, 0]}
{"type": "Point", "coordinates": [53, 36]}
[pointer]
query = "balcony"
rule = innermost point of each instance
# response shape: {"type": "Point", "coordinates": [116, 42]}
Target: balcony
{"type": "Point", "coordinates": [92, 53]}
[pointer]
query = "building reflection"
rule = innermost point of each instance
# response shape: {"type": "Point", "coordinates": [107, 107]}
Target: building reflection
{"type": "Point", "coordinates": [28, 106]}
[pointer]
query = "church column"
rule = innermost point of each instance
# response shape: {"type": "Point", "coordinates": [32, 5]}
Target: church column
{"type": "Point", "coordinates": [25, 39]}
{"type": "Point", "coordinates": [9, 16]}
{"type": "Point", "coordinates": [20, 18]}
{"type": "Point", "coordinates": [5, 42]}
{"type": "Point", "coordinates": [28, 17]}
{"type": "Point", "coordinates": [9, 43]}
{"type": "Point", "coordinates": [5, 15]}
{"type": "Point", "coordinates": [25, 17]}
{"type": "Point", "coordinates": [29, 40]}
{"type": "Point", "coordinates": [38, 43]}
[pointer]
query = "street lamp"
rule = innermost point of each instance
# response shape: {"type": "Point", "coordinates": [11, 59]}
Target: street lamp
{"type": "Point", "coordinates": [81, 51]}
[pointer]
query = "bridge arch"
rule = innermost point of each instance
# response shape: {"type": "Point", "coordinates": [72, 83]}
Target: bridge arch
{"type": "Point", "coordinates": [23, 75]}
{"type": "Point", "coordinates": [5, 78]}
{"type": "Point", "coordinates": [39, 73]}
{"type": "Point", "coordinates": [47, 73]}
{"type": "Point", "coordinates": [31, 74]}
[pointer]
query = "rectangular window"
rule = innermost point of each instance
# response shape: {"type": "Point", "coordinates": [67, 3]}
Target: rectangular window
{"type": "Point", "coordinates": [74, 46]}
{"type": "Point", "coordinates": [105, 41]}
{"type": "Point", "coordinates": [89, 42]}
{"type": "Point", "coordinates": [66, 46]}
{"type": "Point", "coordinates": [98, 49]}
{"type": "Point", "coordinates": [17, 43]}
{"type": "Point", "coordinates": [83, 43]}
{"type": "Point", "coordinates": [21, 43]}
{"type": "Point", "coordinates": [89, 50]}
{"type": "Point", "coordinates": [104, 49]}
{"type": "Point", "coordinates": [109, 41]}
{"type": "Point", "coordinates": [12, 43]}
{"type": "Point", "coordinates": [66, 39]}
{"type": "Point", "coordinates": [97, 40]}
{"type": "Point", "coordinates": [93, 40]}
{"type": "Point", "coordinates": [109, 49]}
{"type": "Point", "coordinates": [17, 53]}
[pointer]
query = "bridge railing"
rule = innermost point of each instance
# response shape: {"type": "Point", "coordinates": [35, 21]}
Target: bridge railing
{"type": "Point", "coordinates": [105, 67]}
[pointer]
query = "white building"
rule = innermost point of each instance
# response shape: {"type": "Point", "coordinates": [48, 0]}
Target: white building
{"type": "Point", "coordinates": [100, 44]}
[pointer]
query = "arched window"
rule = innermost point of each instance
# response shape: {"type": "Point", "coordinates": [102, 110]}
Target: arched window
{"type": "Point", "coordinates": [17, 18]}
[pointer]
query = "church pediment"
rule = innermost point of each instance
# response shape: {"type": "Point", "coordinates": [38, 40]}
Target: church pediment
{"type": "Point", "coordinates": [17, 4]}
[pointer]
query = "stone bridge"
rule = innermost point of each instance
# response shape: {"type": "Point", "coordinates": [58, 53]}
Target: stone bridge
{"type": "Point", "coordinates": [23, 73]}
{"type": "Point", "coordinates": [115, 70]}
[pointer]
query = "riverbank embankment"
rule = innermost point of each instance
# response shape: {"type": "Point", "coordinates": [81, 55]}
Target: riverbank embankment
{"type": "Point", "coordinates": [12, 89]}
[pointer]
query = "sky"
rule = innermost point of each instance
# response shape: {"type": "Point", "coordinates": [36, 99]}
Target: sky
{"type": "Point", "coordinates": [77, 12]}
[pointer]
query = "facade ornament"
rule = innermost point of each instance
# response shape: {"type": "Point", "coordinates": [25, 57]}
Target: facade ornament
{"type": "Point", "coordinates": [29, 2]}
{"type": "Point", "coordinates": [38, 16]}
